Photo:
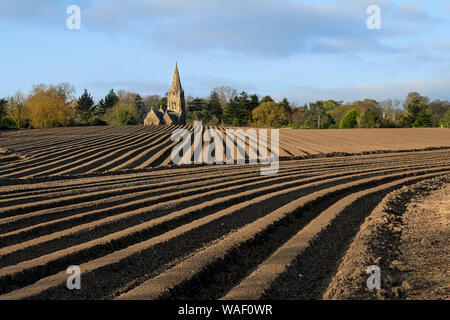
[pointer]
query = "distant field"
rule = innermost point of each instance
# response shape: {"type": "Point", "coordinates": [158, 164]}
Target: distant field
{"type": "Point", "coordinates": [71, 151]}
{"type": "Point", "coordinates": [206, 232]}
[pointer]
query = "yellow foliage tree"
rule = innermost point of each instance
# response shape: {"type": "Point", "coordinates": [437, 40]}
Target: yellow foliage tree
{"type": "Point", "coordinates": [51, 106]}
{"type": "Point", "coordinates": [270, 114]}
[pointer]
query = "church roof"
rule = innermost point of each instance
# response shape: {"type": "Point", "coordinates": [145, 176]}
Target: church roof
{"type": "Point", "coordinates": [172, 115]}
{"type": "Point", "coordinates": [153, 117]}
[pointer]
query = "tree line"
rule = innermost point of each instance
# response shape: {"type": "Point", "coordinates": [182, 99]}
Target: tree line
{"type": "Point", "coordinates": [225, 107]}
{"type": "Point", "coordinates": [56, 106]}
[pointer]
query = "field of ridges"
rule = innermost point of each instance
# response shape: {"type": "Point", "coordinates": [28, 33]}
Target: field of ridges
{"type": "Point", "coordinates": [206, 232]}
{"type": "Point", "coordinates": [70, 151]}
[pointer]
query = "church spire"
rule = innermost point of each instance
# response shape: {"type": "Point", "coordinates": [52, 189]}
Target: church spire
{"type": "Point", "coordinates": [176, 83]}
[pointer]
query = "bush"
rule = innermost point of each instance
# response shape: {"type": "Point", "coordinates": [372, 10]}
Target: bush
{"type": "Point", "coordinates": [350, 120]}
{"type": "Point", "coordinates": [7, 123]}
{"type": "Point", "coordinates": [385, 123]}
{"type": "Point", "coordinates": [445, 121]}
{"type": "Point", "coordinates": [294, 126]}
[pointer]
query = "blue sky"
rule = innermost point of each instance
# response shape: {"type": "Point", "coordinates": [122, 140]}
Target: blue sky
{"type": "Point", "coordinates": [302, 50]}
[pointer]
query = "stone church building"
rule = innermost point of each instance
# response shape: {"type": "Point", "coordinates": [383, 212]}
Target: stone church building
{"type": "Point", "coordinates": [176, 109]}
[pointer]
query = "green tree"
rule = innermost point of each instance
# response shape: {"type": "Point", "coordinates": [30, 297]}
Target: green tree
{"type": "Point", "coordinates": [7, 123]}
{"type": "Point", "coordinates": [437, 109]}
{"type": "Point", "coordinates": [215, 108]}
{"type": "Point", "coordinates": [246, 106]}
{"type": "Point", "coordinates": [162, 104]}
{"type": "Point", "coordinates": [233, 113]}
{"type": "Point", "coordinates": [287, 107]}
{"type": "Point", "coordinates": [195, 109]}
{"type": "Point", "coordinates": [369, 119]}
{"type": "Point", "coordinates": [141, 107]}
{"type": "Point", "coordinates": [254, 101]}
{"type": "Point", "coordinates": [415, 96]}
{"type": "Point", "coordinates": [445, 121]}
{"type": "Point", "coordinates": [423, 120]}
{"type": "Point", "coordinates": [414, 105]}
{"type": "Point", "coordinates": [318, 118]}
{"type": "Point", "coordinates": [3, 103]}
{"type": "Point", "coordinates": [350, 120]}
{"type": "Point", "coordinates": [106, 103]}
{"type": "Point", "coordinates": [85, 107]}
{"type": "Point", "coordinates": [267, 99]}
{"type": "Point", "coordinates": [331, 104]}
{"type": "Point", "coordinates": [125, 111]}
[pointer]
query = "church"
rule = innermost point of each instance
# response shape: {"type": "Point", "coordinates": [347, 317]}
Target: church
{"type": "Point", "coordinates": [176, 109]}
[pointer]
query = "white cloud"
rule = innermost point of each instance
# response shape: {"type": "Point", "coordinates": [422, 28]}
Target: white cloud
{"type": "Point", "coordinates": [260, 27]}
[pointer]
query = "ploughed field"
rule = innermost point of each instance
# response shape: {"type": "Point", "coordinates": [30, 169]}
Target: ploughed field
{"type": "Point", "coordinates": [69, 151]}
{"type": "Point", "coordinates": [206, 232]}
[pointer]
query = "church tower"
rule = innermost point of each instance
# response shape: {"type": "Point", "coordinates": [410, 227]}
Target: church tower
{"type": "Point", "coordinates": [176, 110]}
{"type": "Point", "coordinates": [175, 99]}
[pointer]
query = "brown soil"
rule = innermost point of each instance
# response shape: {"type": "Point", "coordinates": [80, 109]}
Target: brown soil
{"type": "Point", "coordinates": [70, 151]}
{"type": "Point", "coordinates": [216, 227]}
{"type": "Point", "coordinates": [408, 237]}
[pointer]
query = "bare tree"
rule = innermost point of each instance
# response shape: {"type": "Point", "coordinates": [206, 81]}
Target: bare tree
{"type": "Point", "coordinates": [225, 94]}
{"type": "Point", "coordinates": [17, 109]}
{"type": "Point", "coordinates": [390, 109]}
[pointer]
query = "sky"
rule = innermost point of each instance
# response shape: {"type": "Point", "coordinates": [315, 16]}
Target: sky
{"type": "Point", "coordinates": [302, 50]}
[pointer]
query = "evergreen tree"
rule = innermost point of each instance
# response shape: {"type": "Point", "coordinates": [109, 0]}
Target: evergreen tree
{"type": "Point", "coordinates": [423, 120]}
{"type": "Point", "coordinates": [245, 106]}
{"type": "Point", "coordinates": [162, 104]}
{"type": "Point", "coordinates": [111, 99]}
{"type": "Point", "coordinates": [287, 107]}
{"type": "Point", "coordinates": [233, 114]}
{"type": "Point", "coordinates": [254, 101]}
{"type": "Point", "coordinates": [215, 108]}
{"type": "Point", "coordinates": [85, 107]}
{"type": "Point", "coordinates": [3, 103]}
{"type": "Point", "coordinates": [108, 102]}
{"type": "Point", "coordinates": [141, 107]}
{"type": "Point", "coordinates": [195, 109]}
{"type": "Point", "coordinates": [267, 99]}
